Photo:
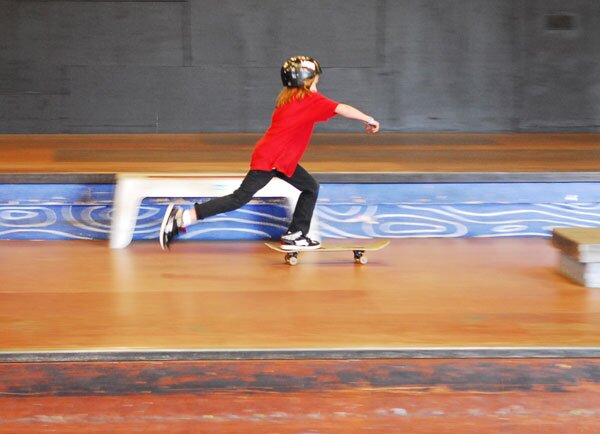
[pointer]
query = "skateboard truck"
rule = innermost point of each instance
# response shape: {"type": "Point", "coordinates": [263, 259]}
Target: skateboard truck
{"type": "Point", "coordinates": [291, 258]}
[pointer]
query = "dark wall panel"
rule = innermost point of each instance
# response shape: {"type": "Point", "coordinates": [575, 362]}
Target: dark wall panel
{"type": "Point", "coordinates": [559, 46]}
{"type": "Point", "coordinates": [93, 33]}
{"type": "Point", "coordinates": [213, 65]}
{"type": "Point", "coordinates": [265, 32]}
{"type": "Point", "coordinates": [33, 98]}
{"type": "Point", "coordinates": [112, 98]}
{"type": "Point", "coordinates": [206, 99]}
{"type": "Point", "coordinates": [450, 66]}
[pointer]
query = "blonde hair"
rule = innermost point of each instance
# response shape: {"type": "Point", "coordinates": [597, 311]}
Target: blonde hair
{"type": "Point", "coordinates": [289, 94]}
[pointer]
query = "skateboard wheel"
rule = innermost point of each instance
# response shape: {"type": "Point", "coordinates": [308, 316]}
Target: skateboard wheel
{"type": "Point", "coordinates": [291, 258]}
{"type": "Point", "coordinates": [359, 257]}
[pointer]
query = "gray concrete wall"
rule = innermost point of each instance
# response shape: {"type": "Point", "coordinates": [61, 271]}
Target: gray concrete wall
{"type": "Point", "coordinates": [213, 65]}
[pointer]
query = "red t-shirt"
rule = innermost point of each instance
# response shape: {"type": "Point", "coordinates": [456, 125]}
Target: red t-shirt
{"type": "Point", "coordinates": [292, 124]}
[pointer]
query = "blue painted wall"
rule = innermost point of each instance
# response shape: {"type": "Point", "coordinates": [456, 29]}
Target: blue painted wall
{"type": "Point", "coordinates": [73, 211]}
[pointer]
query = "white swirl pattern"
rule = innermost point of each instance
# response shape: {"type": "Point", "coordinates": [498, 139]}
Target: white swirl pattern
{"type": "Point", "coordinates": [74, 218]}
{"type": "Point", "coordinates": [27, 217]}
{"type": "Point", "coordinates": [337, 221]}
{"type": "Point", "coordinates": [465, 220]}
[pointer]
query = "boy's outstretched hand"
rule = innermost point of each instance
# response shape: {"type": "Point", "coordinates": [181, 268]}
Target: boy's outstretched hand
{"type": "Point", "coordinates": [371, 127]}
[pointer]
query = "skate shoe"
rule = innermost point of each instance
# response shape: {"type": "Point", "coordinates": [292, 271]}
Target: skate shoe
{"type": "Point", "coordinates": [171, 227]}
{"type": "Point", "coordinates": [298, 241]}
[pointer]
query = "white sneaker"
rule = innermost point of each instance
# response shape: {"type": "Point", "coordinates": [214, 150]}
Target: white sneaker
{"type": "Point", "coordinates": [298, 241]}
{"type": "Point", "coordinates": [171, 227]}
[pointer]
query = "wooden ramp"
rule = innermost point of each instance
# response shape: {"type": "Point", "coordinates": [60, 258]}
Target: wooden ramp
{"type": "Point", "coordinates": [434, 336]}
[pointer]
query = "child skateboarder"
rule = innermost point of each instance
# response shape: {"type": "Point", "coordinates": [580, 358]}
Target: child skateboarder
{"type": "Point", "coordinates": [277, 154]}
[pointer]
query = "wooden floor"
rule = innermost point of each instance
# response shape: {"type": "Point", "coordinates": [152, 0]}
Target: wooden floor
{"type": "Point", "coordinates": [425, 293]}
{"type": "Point", "coordinates": [210, 153]}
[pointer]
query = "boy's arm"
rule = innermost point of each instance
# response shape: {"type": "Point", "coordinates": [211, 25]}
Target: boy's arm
{"type": "Point", "coordinates": [372, 126]}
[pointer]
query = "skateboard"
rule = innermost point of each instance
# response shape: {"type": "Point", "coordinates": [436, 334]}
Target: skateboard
{"type": "Point", "coordinates": [291, 256]}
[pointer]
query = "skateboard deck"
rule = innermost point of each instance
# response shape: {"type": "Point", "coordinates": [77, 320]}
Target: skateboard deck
{"type": "Point", "coordinates": [291, 256]}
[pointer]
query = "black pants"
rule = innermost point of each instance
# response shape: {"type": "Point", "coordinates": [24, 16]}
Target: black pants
{"type": "Point", "coordinates": [257, 179]}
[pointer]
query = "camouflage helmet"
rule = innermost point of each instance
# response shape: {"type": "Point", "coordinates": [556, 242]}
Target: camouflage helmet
{"type": "Point", "coordinates": [296, 70]}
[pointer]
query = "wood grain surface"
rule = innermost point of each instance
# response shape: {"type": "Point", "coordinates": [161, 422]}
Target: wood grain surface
{"type": "Point", "coordinates": [223, 295]}
{"type": "Point", "coordinates": [202, 153]}
{"type": "Point", "coordinates": [336, 396]}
